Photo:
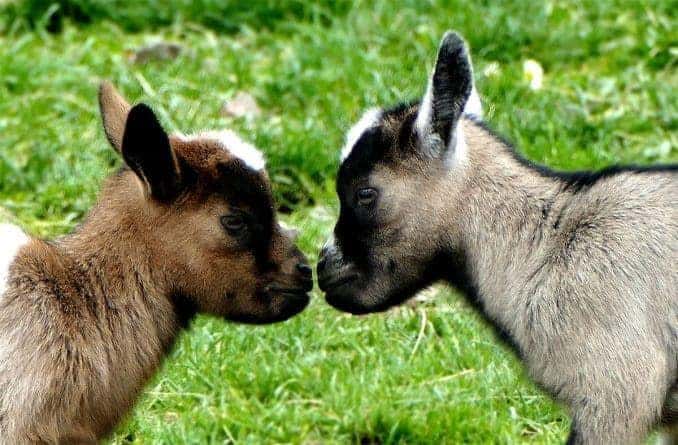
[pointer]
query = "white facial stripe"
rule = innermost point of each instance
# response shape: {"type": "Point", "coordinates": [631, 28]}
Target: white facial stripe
{"type": "Point", "coordinates": [369, 120]}
{"type": "Point", "coordinates": [473, 106]}
{"type": "Point", "coordinates": [12, 239]}
{"type": "Point", "coordinates": [232, 143]}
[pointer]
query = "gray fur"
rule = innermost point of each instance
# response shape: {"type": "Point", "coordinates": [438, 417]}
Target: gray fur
{"type": "Point", "coordinates": [580, 272]}
{"type": "Point", "coordinates": [584, 281]}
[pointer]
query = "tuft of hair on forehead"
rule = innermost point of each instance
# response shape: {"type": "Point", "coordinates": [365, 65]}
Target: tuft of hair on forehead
{"type": "Point", "coordinates": [382, 135]}
{"type": "Point", "coordinates": [369, 119]}
{"type": "Point", "coordinates": [230, 142]}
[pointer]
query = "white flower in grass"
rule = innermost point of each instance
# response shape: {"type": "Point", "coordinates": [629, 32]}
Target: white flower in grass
{"type": "Point", "coordinates": [491, 69]}
{"type": "Point", "coordinates": [533, 73]}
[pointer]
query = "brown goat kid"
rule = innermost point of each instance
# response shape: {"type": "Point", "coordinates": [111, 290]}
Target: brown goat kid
{"type": "Point", "coordinates": [187, 226]}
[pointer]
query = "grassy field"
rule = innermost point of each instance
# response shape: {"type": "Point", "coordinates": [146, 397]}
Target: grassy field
{"type": "Point", "coordinates": [431, 373]}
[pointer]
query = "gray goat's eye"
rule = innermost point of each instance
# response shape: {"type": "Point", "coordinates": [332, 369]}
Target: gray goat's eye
{"type": "Point", "coordinates": [366, 196]}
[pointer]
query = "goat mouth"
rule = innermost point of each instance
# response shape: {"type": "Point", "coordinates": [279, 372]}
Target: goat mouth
{"type": "Point", "coordinates": [336, 283]}
{"type": "Point", "coordinates": [295, 302]}
{"type": "Point", "coordinates": [294, 292]}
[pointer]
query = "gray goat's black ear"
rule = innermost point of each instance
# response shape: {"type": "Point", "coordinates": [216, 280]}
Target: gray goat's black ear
{"type": "Point", "coordinates": [449, 89]}
{"type": "Point", "coordinates": [146, 149]}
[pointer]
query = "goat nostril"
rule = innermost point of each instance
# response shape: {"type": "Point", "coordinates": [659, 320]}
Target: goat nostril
{"type": "Point", "coordinates": [305, 270]}
{"type": "Point", "coordinates": [322, 263]}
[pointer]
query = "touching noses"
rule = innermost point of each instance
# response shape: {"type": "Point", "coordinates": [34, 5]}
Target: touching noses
{"type": "Point", "coordinates": [305, 274]}
{"type": "Point", "coordinates": [327, 256]}
{"type": "Point", "coordinates": [322, 260]}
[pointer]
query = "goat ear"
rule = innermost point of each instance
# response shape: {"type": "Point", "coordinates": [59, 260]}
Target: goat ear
{"type": "Point", "coordinates": [114, 110]}
{"type": "Point", "coordinates": [448, 91]}
{"type": "Point", "coordinates": [146, 149]}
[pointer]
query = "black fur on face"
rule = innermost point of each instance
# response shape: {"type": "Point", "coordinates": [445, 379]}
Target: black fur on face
{"type": "Point", "coordinates": [249, 191]}
{"type": "Point", "coordinates": [371, 265]}
{"type": "Point", "coordinates": [389, 143]}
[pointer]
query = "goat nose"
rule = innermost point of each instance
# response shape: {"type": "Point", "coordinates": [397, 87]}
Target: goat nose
{"type": "Point", "coordinates": [322, 262]}
{"type": "Point", "coordinates": [326, 251]}
{"type": "Point", "coordinates": [305, 271]}
{"type": "Point", "coordinates": [306, 276]}
{"type": "Point", "coordinates": [323, 252]}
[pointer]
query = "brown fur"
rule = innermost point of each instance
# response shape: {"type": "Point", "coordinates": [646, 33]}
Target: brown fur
{"type": "Point", "coordinates": [86, 319]}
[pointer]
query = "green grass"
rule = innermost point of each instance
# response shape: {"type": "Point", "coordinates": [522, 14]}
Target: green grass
{"type": "Point", "coordinates": [429, 374]}
{"type": "Point", "coordinates": [224, 16]}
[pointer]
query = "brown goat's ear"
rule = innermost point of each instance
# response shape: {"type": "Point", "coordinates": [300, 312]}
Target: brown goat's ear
{"type": "Point", "coordinates": [146, 149]}
{"type": "Point", "coordinates": [114, 110]}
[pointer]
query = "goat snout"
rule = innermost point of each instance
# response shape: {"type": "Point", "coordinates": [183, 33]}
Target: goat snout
{"type": "Point", "coordinates": [332, 270]}
{"type": "Point", "coordinates": [305, 274]}
{"type": "Point", "coordinates": [327, 256]}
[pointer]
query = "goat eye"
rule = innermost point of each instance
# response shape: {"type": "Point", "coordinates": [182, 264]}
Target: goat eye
{"type": "Point", "coordinates": [233, 223]}
{"type": "Point", "coordinates": [366, 196]}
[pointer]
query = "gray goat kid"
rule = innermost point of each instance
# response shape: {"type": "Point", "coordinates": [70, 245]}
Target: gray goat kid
{"type": "Point", "coordinates": [578, 271]}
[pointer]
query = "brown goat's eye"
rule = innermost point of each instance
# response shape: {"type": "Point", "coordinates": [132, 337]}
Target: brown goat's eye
{"type": "Point", "coordinates": [233, 223]}
{"type": "Point", "coordinates": [366, 196]}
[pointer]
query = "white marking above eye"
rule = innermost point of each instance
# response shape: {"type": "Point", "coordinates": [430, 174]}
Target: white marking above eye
{"type": "Point", "coordinates": [12, 239]}
{"type": "Point", "coordinates": [369, 119]}
{"type": "Point", "coordinates": [234, 144]}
